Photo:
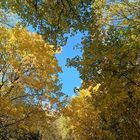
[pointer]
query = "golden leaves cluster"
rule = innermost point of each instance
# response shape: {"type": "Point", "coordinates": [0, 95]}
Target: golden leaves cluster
{"type": "Point", "coordinates": [28, 76]}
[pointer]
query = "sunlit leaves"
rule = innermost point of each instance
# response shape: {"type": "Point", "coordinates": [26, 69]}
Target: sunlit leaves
{"type": "Point", "coordinates": [111, 58]}
{"type": "Point", "coordinates": [53, 18]}
{"type": "Point", "coordinates": [28, 74]}
{"type": "Point", "coordinates": [109, 68]}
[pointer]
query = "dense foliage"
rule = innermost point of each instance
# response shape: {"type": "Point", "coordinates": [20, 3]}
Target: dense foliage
{"type": "Point", "coordinates": [106, 106]}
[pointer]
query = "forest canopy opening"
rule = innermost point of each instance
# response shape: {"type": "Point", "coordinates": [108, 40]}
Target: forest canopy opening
{"type": "Point", "coordinates": [107, 104]}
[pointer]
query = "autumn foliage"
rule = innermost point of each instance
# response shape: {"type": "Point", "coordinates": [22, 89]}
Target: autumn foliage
{"type": "Point", "coordinates": [106, 106]}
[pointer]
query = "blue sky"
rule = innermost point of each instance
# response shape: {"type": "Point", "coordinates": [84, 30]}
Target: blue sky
{"type": "Point", "coordinates": [70, 76]}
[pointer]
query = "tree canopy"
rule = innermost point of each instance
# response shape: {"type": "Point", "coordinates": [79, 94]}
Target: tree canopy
{"type": "Point", "coordinates": [106, 106]}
